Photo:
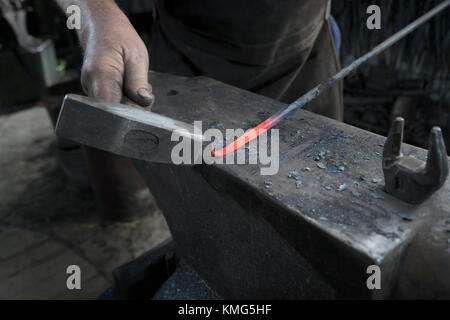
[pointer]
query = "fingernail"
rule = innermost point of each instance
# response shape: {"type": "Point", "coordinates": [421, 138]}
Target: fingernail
{"type": "Point", "coordinates": [144, 93]}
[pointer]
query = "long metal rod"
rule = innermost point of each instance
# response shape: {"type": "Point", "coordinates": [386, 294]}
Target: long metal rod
{"type": "Point", "coordinates": [313, 93]}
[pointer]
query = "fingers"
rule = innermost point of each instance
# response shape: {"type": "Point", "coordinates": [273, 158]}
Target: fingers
{"type": "Point", "coordinates": [109, 69]}
{"type": "Point", "coordinates": [103, 82]}
{"type": "Point", "coordinates": [136, 85]}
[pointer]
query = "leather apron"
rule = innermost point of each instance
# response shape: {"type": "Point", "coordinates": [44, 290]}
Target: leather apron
{"type": "Point", "coordinates": [279, 49]}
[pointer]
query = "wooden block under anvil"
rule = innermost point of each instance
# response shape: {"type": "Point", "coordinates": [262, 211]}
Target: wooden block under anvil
{"type": "Point", "coordinates": [312, 230]}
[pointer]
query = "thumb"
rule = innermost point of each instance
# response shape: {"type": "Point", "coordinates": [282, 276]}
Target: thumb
{"type": "Point", "coordinates": [136, 84]}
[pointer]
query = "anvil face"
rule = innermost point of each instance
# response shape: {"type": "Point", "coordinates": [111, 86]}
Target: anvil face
{"type": "Point", "coordinates": [254, 236]}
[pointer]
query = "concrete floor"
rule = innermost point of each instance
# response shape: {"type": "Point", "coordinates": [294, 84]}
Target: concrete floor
{"type": "Point", "coordinates": [47, 225]}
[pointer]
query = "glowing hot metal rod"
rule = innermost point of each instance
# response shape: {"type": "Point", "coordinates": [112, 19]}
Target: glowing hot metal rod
{"type": "Point", "coordinates": [313, 93]}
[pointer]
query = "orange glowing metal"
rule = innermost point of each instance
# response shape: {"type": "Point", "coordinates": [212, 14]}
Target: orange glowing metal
{"type": "Point", "coordinates": [248, 135]}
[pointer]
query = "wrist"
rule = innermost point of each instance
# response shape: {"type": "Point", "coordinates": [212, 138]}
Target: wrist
{"type": "Point", "coordinates": [98, 15]}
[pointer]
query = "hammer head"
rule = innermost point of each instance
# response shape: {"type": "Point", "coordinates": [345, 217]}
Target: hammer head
{"type": "Point", "coordinates": [125, 130]}
{"type": "Point", "coordinates": [410, 179]}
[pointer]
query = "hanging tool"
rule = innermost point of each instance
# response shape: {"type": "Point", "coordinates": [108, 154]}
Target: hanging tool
{"type": "Point", "coordinates": [313, 93]}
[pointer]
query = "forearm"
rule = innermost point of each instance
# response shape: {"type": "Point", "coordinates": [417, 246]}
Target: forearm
{"type": "Point", "coordinates": [93, 12]}
{"type": "Point", "coordinates": [88, 6]}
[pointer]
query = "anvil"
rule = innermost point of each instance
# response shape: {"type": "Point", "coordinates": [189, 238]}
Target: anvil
{"type": "Point", "coordinates": [255, 237]}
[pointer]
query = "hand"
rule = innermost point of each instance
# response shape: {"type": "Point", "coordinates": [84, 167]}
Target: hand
{"type": "Point", "coordinates": [115, 58]}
